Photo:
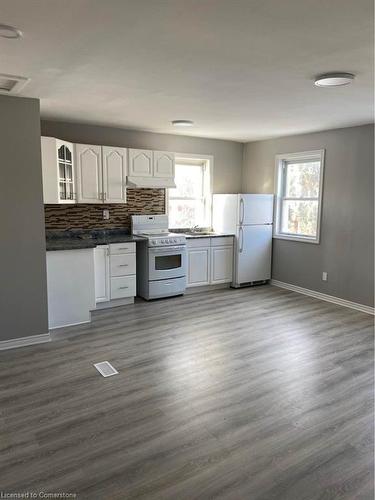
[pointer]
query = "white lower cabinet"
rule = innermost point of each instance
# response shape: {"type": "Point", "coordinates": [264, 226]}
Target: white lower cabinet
{"type": "Point", "coordinates": [221, 264]}
{"type": "Point", "coordinates": [210, 261]}
{"type": "Point", "coordinates": [70, 286]}
{"type": "Point", "coordinates": [115, 272]}
{"type": "Point", "coordinates": [123, 286]}
{"type": "Point", "coordinates": [101, 266]}
{"type": "Point", "coordinates": [198, 266]}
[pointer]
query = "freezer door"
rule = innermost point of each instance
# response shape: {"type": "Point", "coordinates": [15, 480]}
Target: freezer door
{"type": "Point", "coordinates": [255, 209]}
{"type": "Point", "coordinates": [225, 213]}
{"type": "Point", "coordinates": [253, 256]}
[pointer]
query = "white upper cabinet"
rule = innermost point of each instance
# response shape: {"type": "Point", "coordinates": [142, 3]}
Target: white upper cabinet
{"type": "Point", "coordinates": [163, 164]}
{"type": "Point", "coordinates": [151, 169]}
{"type": "Point", "coordinates": [86, 173]}
{"type": "Point", "coordinates": [58, 171]}
{"type": "Point", "coordinates": [140, 163]}
{"type": "Point", "coordinates": [89, 173]}
{"type": "Point", "coordinates": [114, 174]}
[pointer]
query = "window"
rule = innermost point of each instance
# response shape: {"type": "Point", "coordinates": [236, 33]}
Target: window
{"type": "Point", "coordinates": [189, 203]}
{"type": "Point", "coordinates": [299, 196]}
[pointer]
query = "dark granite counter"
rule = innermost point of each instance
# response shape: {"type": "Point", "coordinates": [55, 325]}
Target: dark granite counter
{"type": "Point", "coordinates": [213, 235]}
{"type": "Point", "coordinates": [79, 239]}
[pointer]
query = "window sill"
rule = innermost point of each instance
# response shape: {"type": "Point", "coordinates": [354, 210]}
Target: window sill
{"type": "Point", "coordinates": [301, 239]}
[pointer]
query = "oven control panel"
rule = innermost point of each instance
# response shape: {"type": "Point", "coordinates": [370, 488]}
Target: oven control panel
{"type": "Point", "coordinates": [167, 241]}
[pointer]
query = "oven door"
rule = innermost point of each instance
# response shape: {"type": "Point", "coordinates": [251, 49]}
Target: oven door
{"type": "Point", "coordinates": [166, 262]}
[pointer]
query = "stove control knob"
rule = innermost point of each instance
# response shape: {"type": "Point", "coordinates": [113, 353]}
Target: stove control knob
{"type": "Point", "coordinates": [162, 241]}
{"type": "Point", "coordinates": [175, 241]}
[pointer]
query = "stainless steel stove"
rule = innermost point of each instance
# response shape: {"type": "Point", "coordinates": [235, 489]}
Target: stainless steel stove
{"type": "Point", "coordinates": [161, 261]}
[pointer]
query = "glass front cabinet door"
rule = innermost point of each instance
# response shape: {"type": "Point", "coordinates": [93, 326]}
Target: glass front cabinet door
{"type": "Point", "coordinates": [58, 171]}
{"type": "Point", "coordinates": [65, 172]}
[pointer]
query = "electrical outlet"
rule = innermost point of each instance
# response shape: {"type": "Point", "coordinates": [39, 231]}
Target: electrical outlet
{"type": "Point", "coordinates": [106, 214]}
{"type": "Point", "coordinates": [325, 276]}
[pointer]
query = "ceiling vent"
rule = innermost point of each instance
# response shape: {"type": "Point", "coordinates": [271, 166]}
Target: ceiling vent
{"type": "Point", "coordinates": [11, 84]}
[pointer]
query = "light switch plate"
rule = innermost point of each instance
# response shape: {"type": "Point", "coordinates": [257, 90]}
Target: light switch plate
{"type": "Point", "coordinates": [106, 214]}
{"type": "Point", "coordinates": [325, 276]}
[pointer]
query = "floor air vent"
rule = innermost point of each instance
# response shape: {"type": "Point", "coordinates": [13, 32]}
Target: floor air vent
{"type": "Point", "coordinates": [106, 369]}
{"type": "Point", "coordinates": [11, 84]}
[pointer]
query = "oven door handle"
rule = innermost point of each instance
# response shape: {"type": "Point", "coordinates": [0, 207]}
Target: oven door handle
{"type": "Point", "coordinates": [160, 250]}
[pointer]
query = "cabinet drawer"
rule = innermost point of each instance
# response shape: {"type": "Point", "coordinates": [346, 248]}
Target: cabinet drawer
{"type": "Point", "coordinates": [123, 286]}
{"type": "Point", "coordinates": [115, 248]}
{"type": "Point", "coordinates": [198, 242]}
{"type": "Point", "coordinates": [122, 264]}
{"type": "Point", "coordinates": [222, 241]}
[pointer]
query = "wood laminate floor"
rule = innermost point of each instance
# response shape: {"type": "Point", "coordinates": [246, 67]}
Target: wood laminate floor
{"type": "Point", "coordinates": [236, 394]}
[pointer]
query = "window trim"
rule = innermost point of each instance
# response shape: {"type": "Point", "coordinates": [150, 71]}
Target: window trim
{"type": "Point", "coordinates": [208, 161]}
{"type": "Point", "coordinates": [281, 159]}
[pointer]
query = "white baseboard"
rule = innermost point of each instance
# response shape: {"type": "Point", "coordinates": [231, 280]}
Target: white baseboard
{"type": "Point", "coordinates": [53, 328]}
{"type": "Point", "coordinates": [324, 296]}
{"type": "Point", "coordinates": [24, 341]}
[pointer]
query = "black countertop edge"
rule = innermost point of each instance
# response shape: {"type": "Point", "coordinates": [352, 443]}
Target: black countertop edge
{"type": "Point", "coordinates": [77, 240]}
{"type": "Point", "coordinates": [216, 235]}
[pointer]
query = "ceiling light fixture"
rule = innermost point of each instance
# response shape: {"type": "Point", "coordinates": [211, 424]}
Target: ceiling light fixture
{"type": "Point", "coordinates": [182, 123]}
{"type": "Point", "coordinates": [9, 32]}
{"type": "Point", "coordinates": [334, 79]}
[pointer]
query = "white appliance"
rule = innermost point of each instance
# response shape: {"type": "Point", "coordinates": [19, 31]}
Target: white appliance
{"type": "Point", "coordinates": [249, 217]}
{"type": "Point", "coordinates": [161, 260]}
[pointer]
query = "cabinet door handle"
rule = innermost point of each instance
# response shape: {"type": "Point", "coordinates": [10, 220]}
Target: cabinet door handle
{"type": "Point", "coordinates": [124, 248]}
{"type": "Point", "coordinates": [123, 287]}
{"type": "Point", "coordinates": [123, 265]}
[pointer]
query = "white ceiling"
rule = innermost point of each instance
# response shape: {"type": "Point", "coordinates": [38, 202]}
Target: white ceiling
{"type": "Point", "coordinates": [241, 69]}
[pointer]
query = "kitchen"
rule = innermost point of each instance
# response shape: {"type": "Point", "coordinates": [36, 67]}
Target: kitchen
{"type": "Point", "coordinates": [113, 273]}
{"type": "Point", "coordinates": [187, 255]}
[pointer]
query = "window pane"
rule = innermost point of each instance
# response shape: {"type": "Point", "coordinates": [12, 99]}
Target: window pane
{"type": "Point", "coordinates": [299, 217]}
{"type": "Point", "coordinates": [189, 182]}
{"type": "Point", "coordinates": [62, 171]}
{"type": "Point", "coordinates": [186, 213]}
{"type": "Point", "coordinates": [302, 180]}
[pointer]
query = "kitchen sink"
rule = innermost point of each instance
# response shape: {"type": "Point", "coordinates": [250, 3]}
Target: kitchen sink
{"type": "Point", "coordinates": [200, 233]}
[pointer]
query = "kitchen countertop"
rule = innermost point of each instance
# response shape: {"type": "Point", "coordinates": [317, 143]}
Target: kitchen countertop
{"type": "Point", "coordinates": [79, 239]}
{"type": "Point", "coordinates": [213, 235]}
{"type": "Point", "coordinates": [76, 240]}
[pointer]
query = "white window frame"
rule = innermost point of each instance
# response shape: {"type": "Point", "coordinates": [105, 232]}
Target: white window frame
{"type": "Point", "coordinates": [281, 161]}
{"type": "Point", "coordinates": [207, 161]}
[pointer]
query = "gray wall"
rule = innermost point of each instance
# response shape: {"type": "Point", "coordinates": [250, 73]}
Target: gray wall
{"type": "Point", "coordinates": [23, 303]}
{"type": "Point", "coordinates": [346, 249]}
{"type": "Point", "coordinates": [228, 154]}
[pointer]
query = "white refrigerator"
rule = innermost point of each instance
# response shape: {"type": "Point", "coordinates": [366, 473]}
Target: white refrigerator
{"type": "Point", "coordinates": [249, 217]}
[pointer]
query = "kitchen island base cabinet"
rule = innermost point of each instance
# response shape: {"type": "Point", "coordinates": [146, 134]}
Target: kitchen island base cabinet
{"type": "Point", "coordinates": [210, 261]}
{"type": "Point", "coordinates": [71, 287]}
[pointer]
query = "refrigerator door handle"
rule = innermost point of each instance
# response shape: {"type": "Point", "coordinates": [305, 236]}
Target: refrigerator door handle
{"type": "Point", "coordinates": [240, 240]}
{"type": "Point", "coordinates": [242, 210]}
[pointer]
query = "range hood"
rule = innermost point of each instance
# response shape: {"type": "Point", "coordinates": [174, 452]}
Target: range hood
{"type": "Point", "coordinates": [150, 182]}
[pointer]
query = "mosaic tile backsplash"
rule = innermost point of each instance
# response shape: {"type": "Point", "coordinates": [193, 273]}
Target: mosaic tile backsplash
{"type": "Point", "coordinates": [89, 216]}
